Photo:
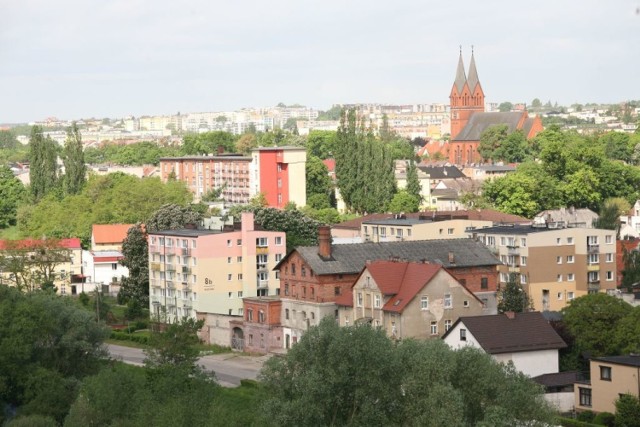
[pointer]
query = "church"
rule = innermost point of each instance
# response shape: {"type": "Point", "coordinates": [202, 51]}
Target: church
{"type": "Point", "coordinates": [469, 120]}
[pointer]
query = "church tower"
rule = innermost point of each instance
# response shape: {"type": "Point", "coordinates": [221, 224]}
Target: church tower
{"type": "Point", "coordinates": [466, 96]}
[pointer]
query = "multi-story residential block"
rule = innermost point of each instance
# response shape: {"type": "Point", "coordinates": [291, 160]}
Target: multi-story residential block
{"type": "Point", "coordinates": [206, 273]}
{"type": "Point", "coordinates": [424, 227]}
{"type": "Point", "coordinates": [280, 174]}
{"type": "Point", "coordinates": [27, 263]}
{"type": "Point", "coordinates": [313, 277]}
{"type": "Point", "coordinates": [554, 265]}
{"type": "Point", "coordinates": [610, 377]}
{"type": "Point", "coordinates": [407, 299]}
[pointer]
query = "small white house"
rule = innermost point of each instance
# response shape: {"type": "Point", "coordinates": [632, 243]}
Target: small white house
{"type": "Point", "coordinates": [103, 267]}
{"type": "Point", "coordinates": [526, 339]}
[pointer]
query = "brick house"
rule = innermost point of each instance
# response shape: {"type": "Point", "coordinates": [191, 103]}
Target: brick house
{"type": "Point", "coordinates": [260, 328]}
{"type": "Point", "coordinates": [313, 277]}
{"type": "Point", "coordinates": [407, 299]}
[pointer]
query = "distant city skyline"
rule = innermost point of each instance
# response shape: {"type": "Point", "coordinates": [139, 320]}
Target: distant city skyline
{"type": "Point", "coordinates": [74, 59]}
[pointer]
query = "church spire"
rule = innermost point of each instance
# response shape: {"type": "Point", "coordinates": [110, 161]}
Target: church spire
{"type": "Point", "coordinates": [473, 73]}
{"type": "Point", "coordinates": [461, 77]}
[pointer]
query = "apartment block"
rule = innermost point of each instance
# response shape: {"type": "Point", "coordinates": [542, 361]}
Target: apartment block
{"type": "Point", "coordinates": [401, 228]}
{"type": "Point", "coordinates": [280, 173]}
{"type": "Point", "coordinates": [206, 273]}
{"type": "Point", "coordinates": [204, 173]}
{"type": "Point", "coordinates": [554, 264]}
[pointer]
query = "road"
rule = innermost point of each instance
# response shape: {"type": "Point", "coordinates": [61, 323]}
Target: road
{"type": "Point", "coordinates": [229, 368]}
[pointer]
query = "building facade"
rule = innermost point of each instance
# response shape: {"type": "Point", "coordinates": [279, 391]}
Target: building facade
{"type": "Point", "coordinates": [554, 265]}
{"type": "Point", "coordinates": [280, 174]}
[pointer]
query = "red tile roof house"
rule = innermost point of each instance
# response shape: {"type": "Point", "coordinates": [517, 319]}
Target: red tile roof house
{"type": "Point", "coordinates": [407, 299]}
{"type": "Point", "coordinates": [108, 236]}
{"type": "Point", "coordinates": [526, 339]}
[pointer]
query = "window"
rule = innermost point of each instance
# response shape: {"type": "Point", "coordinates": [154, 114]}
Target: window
{"type": "Point", "coordinates": [293, 269]}
{"type": "Point", "coordinates": [608, 239]}
{"type": "Point", "coordinates": [230, 294]}
{"type": "Point", "coordinates": [261, 316]}
{"type": "Point", "coordinates": [239, 276]}
{"type": "Point", "coordinates": [278, 241]}
{"type": "Point", "coordinates": [441, 231]}
{"type": "Point", "coordinates": [434, 328]}
{"type": "Point", "coordinates": [463, 334]}
{"type": "Point", "coordinates": [523, 242]}
{"type": "Point", "coordinates": [359, 299]}
{"type": "Point", "coordinates": [558, 241]}
{"type": "Point", "coordinates": [229, 276]}
{"type": "Point", "coordinates": [570, 296]}
{"type": "Point", "coordinates": [336, 290]}
{"type": "Point", "coordinates": [571, 277]}
{"type": "Point", "coordinates": [523, 279]}
{"type": "Point", "coordinates": [484, 283]}
{"type": "Point", "coordinates": [228, 260]}
{"type": "Point", "coordinates": [262, 242]}
{"type": "Point", "coordinates": [609, 275]}
{"type": "Point", "coordinates": [559, 260]}
{"type": "Point", "coordinates": [465, 303]}
{"type": "Point", "coordinates": [447, 325]}
{"type": "Point", "coordinates": [239, 294]}
{"type": "Point", "coordinates": [239, 242]}
{"type": "Point", "coordinates": [278, 257]}
{"type": "Point", "coordinates": [383, 231]}
{"type": "Point", "coordinates": [609, 257]}
{"type": "Point", "coordinates": [376, 301]}
{"type": "Point", "coordinates": [424, 302]}
{"type": "Point", "coordinates": [592, 240]}
{"type": "Point", "coordinates": [594, 258]}
{"type": "Point", "coordinates": [605, 373]}
{"type": "Point", "coordinates": [239, 259]}
{"type": "Point", "coordinates": [286, 313]}
{"type": "Point", "coordinates": [569, 240]}
{"type": "Point", "coordinates": [447, 301]}
{"type": "Point", "coordinates": [250, 315]}
{"type": "Point", "coordinates": [503, 241]}
{"type": "Point", "coordinates": [450, 231]}
{"type": "Point", "coordinates": [228, 243]}
{"type": "Point", "coordinates": [286, 289]}
{"type": "Point", "coordinates": [504, 277]}
{"type": "Point", "coordinates": [559, 277]}
{"type": "Point", "coordinates": [585, 396]}
{"type": "Point", "coordinates": [559, 296]}
{"type": "Point", "coordinates": [303, 271]}
{"type": "Point", "coordinates": [193, 243]}
{"type": "Point", "coordinates": [570, 259]}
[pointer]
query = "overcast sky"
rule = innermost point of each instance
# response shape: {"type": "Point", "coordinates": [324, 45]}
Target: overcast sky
{"type": "Point", "coordinates": [111, 58]}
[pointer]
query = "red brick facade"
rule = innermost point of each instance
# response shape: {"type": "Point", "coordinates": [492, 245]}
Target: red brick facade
{"type": "Point", "coordinates": [261, 327]}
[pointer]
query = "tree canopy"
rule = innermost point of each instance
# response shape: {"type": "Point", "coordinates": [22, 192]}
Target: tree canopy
{"type": "Point", "coordinates": [358, 376]}
{"type": "Point", "coordinates": [43, 170]}
{"type": "Point", "coordinates": [75, 170]}
{"type": "Point", "coordinates": [12, 194]}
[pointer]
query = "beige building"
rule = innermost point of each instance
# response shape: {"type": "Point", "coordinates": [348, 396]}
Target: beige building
{"type": "Point", "coordinates": [610, 377]}
{"type": "Point", "coordinates": [554, 265]}
{"type": "Point", "coordinates": [407, 299]}
{"type": "Point", "coordinates": [206, 273]}
{"type": "Point", "coordinates": [424, 227]}
{"type": "Point", "coordinates": [401, 168]}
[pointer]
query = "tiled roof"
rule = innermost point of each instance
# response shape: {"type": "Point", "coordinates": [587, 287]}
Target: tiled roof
{"type": "Point", "coordinates": [104, 234]}
{"type": "Point", "coordinates": [499, 334]}
{"type": "Point", "coordinates": [558, 379]}
{"type": "Point", "coordinates": [442, 172]}
{"type": "Point", "coordinates": [351, 258]}
{"type": "Point", "coordinates": [479, 122]}
{"type": "Point", "coordinates": [71, 243]}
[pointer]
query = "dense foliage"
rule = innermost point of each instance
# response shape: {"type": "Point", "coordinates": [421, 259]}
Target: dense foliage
{"type": "Point", "coordinates": [43, 170]}
{"type": "Point", "coordinates": [512, 297]}
{"type": "Point", "coordinates": [75, 171]}
{"type": "Point", "coordinates": [12, 194]}
{"type": "Point", "coordinates": [358, 376]}
{"type": "Point", "coordinates": [136, 154]}
{"type": "Point", "coordinates": [571, 170]}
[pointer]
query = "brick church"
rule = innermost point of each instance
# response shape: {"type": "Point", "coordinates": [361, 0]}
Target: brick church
{"type": "Point", "coordinates": [469, 120]}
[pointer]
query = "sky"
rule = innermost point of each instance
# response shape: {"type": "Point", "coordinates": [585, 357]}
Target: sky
{"type": "Point", "coordinates": [75, 59]}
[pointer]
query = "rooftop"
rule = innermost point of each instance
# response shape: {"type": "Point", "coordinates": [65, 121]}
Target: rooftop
{"type": "Point", "coordinates": [628, 360]}
{"type": "Point", "coordinates": [109, 233]}
{"type": "Point", "coordinates": [186, 232]}
{"type": "Point", "coordinates": [479, 122]}
{"type": "Point", "coordinates": [211, 157]}
{"type": "Point", "coordinates": [514, 229]}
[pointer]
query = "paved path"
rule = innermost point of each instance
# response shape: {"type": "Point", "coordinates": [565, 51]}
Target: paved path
{"type": "Point", "coordinates": [229, 368]}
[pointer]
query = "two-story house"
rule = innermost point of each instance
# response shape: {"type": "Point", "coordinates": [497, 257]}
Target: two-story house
{"type": "Point", "coordinates": [260, 330]}
{"type": "Point", "coordinates": [101, 264]}
{"type": "Point", "coordinates": [205, 273]}
{"type": "Point", "coordinates": [407, 299]}
{"type": "Point", "coordinates": [610, 377]}
{"type": "Point", "coordinates": [554, 263]}
{"type": "Point", "coordinates": [313, 277]}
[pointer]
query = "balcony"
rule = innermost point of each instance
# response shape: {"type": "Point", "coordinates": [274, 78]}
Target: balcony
{"type": "Point", "coordinates": [170, 284]}
{"type": "Point", "coordinates": [186, 270]}
{"type": "Point", "coordinates": [593, 286]}
{"type": "Point", "coordinates": [186, 251]}
{"type": "Point", "coordinates": [514, 268]}
{"type": "Point", "coordinates": [185, 284]}
{"type": "Point", "coordinates": [262, 250]}
{"type": "Point", "coordinates": [186, 303]}
{"type": "Point", "coordinates": [263, 284]}
{"type": "Point", "coordinates": [156, 266]}
{"type": "Point", "coordinates": [261, 266]}
{"type": "Point", "coordinates": [593, 249]}
{"type": "Point", "coordinates": [593, 267]}
{"type": "Point", "coordinates": [170, 267]}
{"type": "Point", "coordinates": [513, 250]}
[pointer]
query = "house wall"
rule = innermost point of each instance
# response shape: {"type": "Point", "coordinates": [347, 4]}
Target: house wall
{"type": "Point", "coordinates": [624, 379]}
{"type": "Point", "coordinates": [216, 329]}
{"type": "Point", "coordinates": [302, 315]}
{"type": "Point", "coordinates": [532, 363]}
{"type": "Point", "coordinates": [563, 401]}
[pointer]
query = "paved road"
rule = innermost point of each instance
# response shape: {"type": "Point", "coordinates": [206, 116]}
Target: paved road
{"type": "Point", "coordinates": [229, 368]}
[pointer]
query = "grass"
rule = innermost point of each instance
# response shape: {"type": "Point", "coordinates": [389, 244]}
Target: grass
{"type": "Point", "coordinates": [129, 344]}
{"type": "Point", "coordinates": [10, 233]}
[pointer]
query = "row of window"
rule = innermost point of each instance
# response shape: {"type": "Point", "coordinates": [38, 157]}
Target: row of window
{"type": "Point", "coordinates": [592, 276]}
{"type": "Point", "coordinates": [303, 314]}
{"type": "Point", "coordinates": [399, 232]}
{"type": "Point", "coordinates": [303, 290]}
{"type": "Point", "coordinates": [169, 242]}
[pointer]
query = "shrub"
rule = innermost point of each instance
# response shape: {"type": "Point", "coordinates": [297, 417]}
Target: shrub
{"type": "Point", "coordinates": [570, 422]}
{"type": "Point", "coordinates": [84, 299]}
{"type": "Point", "coordinates": [586, 416]}
{"type": "Point", "coordinates": [605, 419]}
{"type": "Point", "coordinates": [123, 336]}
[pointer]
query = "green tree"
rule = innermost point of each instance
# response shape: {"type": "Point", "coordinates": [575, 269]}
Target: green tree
{"type": "Point", "coordinates": [175, 346]}
{"type": "Point", "coordinates": [627, 333]}
{"type": "Point", "coordinates": [491, 140]}
{"type": "Point", "coordinates": [73, 159]}
{"type": "Point", "coordinates": [631, 271]}
{"type": "Point", "coordinates": [513, 297]}
{"type": "Point", "coordinates": [208, 143]}
{"type": "Point", "coordinates": [591, 318]}
{"type": "Point", "coordinates": [321, 144]}
{"type": "Point", "coordinates": [333, 113]}
{"type": "Point", "coordinates": [627, 411]}
{"type": "Point", "coordinates": [403, 202]}
{"type": "Point", "coordinates": [609, 215]}
{"type": "Point", "coordinates": [514, 193]}
{"type": "Point", "coordinates": [318, 180]}
{"type": "Point", "coordinates": [536, 103]}
{"type": "Point", "coordinates": [414, 187]}
{"type": "Point", "coordinates": [135, 253]}
{"type": "Point", "coordinates": [8, 140]}
{"type": "Point", "coordinates": [386, 133]}
{"type": "Point", "coordinates": [505, 107]}
{"type": "Point", "coordinates": [12, 193]}
{"type": "Point", "coordinates": [581, 189]}
{"type": "Point", "coordinates": [43, 170]}
{"type": "Point", "coordinates": [172, 217]}
{"type": "Point", "coordinates": [246, 143]}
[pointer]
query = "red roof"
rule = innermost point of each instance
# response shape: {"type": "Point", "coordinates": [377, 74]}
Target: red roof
{"type": "Point", "coordinates": [400, 280]}
{"type": "Point", "coordinates": [330, 164]}
{"type": "Point", "coordinates": [109, 233]}
{"type": "Point", "coordinates": [71, 243]}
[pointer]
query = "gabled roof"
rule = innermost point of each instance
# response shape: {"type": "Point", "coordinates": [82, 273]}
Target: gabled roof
{"type": "Point", "coordinates": [472, 80]}
{"type": "Point", "coordinates": [442, 172]}
{"type": "Point", "coordinates": [104, 234]}
{"type": "Point", "coordinates": [629, 360]}
{"type": "Point", "coordinates": [351, 258]}
{"type": "Point", "coordinates": [479, 122]}
{"type": "Point", "coordinates": [461, 77]}
{"type": "Point", "coordinates": [498, 333]}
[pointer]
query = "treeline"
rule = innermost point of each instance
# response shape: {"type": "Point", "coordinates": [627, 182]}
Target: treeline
{"type": "Point", "coordinates": [561, 169]}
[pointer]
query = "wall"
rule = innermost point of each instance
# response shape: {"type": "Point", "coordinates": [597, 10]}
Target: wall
{"type": "Point", "coordinates": [216, 329]}
{"type": "Point", "coordinates": [624, 379]}
{"type": "Point", "coordinates": [532, 363]}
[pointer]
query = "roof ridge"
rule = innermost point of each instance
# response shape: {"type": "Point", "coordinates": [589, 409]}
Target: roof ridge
{"type": "Point", "coordinates": [461, 77]}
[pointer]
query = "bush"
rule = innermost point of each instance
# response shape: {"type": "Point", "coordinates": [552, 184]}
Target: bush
{"type": "Point", "coordinates": [33, 421]}
{"type": "Point", "coordinates": [123, 336]}
{"type": "Point", "coordinates": [570, 422]}
{"type": "Point", "coordinates": [84, 299]}
{"type": "Point", "coordinates": [605, 419]}
{"type": "Point", "coordinates": [586, 416]}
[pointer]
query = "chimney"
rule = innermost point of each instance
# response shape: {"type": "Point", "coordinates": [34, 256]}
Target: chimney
{"type": "Point", "coordinates": [324, 241]}
{"type": "Point", "coordinates": [510, 314]}
{"type": "Point", "coordinates": [452, 258]}
{"type": "Point", "coordinates": [247, 221]}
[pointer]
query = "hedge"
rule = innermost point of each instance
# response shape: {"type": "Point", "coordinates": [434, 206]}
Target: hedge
{"type": "Point", "coordinates": [123, 336]}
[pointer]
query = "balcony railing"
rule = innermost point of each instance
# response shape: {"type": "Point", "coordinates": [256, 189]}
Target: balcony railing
{"type": "Point", "coordinates": [593, 267]}
{"type": "Point", "coordinates": [170, 284]}
{"type": "Point", "coordinates": [186, 303]}
{"type": "Point", "coordinates": [593, 249]}
{"type": "Point", "coordinates": [262, 250]}
{"type": "Point", "coordinates": [513, 249]}
{"type": "Point", "coordinates": [186, 252]}
{"type": "Point", "coordinates": [261, 266]}
{"type": "Point", "coordinates": [156, 266]}
{"type": "Point", "coordinates": [186, 270]}
{"type": "Point", "coordinates": [185, 284]}
{"type": "Point", "coordinates": [263, 284]}
{"type": "Point", "coordinates": [170, 267]}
